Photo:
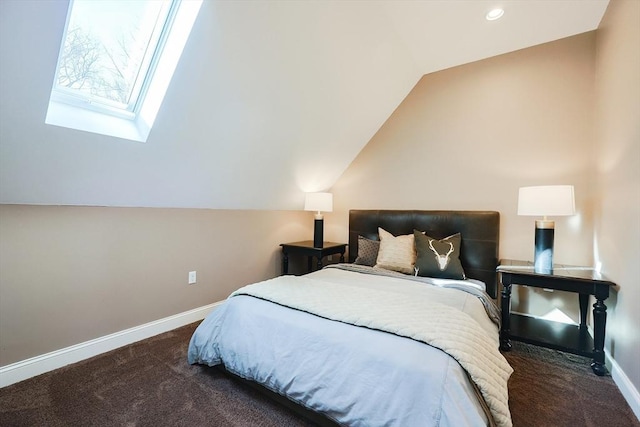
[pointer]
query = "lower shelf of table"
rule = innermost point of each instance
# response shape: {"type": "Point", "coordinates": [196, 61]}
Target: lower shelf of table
{"type": "Point", "coordinates": [550, 334]}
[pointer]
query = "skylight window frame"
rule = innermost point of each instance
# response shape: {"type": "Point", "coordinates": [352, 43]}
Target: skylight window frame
{"type": "Point", "coordinates": [70, 97]}
{"type": "Point", "coordinates": [147, 69]}
{"type": "Point", "coordinates": [154, 59]}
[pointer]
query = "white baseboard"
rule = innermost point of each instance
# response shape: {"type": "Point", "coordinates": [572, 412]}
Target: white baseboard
{"type": "Point", "coordinates": [626, 387]}
{"type": "Point", "coordinates": [28, 368]}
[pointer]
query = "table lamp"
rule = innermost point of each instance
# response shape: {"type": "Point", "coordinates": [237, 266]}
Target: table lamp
{"type": "Point", "coordinates": [548, 200]}
{"type": "Point", "coordinates": [318, 202]}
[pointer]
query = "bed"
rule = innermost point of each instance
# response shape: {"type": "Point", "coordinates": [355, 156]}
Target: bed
{"type": "Point", "coordinates": [383, 340]}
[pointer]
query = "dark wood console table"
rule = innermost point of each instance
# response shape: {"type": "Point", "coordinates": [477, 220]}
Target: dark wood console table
{"type": "Point", "coordinates": [306, 248]}
{"type": "Point", "coordinates": [574, 339]}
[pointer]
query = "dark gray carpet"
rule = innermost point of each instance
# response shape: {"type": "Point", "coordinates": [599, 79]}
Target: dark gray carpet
{"type": "Point", "coordinates": [552, 388]}
{"type": "Point", "coordinates": [150, 384]}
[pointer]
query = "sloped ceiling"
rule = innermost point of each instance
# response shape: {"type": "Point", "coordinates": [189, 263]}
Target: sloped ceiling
{"type": "Point", "coordinates": [270, 99]}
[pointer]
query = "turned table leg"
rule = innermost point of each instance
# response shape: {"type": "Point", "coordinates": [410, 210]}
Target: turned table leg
{"type": "Point", "coordinates": [599, 324]}
{"type": "Point", "coordinates": [584, 305]}
{"type": "Point", "coordinates": [505, 305]}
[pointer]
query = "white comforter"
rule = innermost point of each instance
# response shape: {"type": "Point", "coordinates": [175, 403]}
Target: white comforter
{"type": "Point", "coordinates": [448, 319]}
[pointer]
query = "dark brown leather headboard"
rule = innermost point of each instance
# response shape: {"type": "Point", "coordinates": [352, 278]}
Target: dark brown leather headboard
{"type": "Point", "coordinates": [480, 232]}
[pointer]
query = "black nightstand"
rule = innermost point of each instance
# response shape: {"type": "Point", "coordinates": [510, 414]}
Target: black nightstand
{"type": "Point", "coordinates": [574, 339]}
{"type": "Point", "coordinates": [306, 248]}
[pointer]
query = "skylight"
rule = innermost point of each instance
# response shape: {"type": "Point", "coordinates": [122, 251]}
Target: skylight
{"type": "Point", "coordinates": [115, 63]}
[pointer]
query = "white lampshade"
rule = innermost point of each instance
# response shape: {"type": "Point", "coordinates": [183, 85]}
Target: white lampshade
{"type": "Point", "coordinates": [318, 202]}
{"type": "Point", "coordinates": [546, 200]}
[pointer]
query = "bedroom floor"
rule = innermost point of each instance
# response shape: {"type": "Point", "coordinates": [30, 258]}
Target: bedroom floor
{"type": "Point", "coordinates": [150, 383]}
{"type": "Point", "coordinates": [562, 390]}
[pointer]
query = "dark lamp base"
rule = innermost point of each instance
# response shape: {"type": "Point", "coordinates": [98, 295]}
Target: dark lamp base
{"type": "Point", "coordinates": [543, 256]}
{"type": "Point", "coordinates": [318, 228]}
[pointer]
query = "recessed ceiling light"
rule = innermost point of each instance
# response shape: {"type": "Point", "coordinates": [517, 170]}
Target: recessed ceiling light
{"type": "Point", "coordinates": [494, 14]}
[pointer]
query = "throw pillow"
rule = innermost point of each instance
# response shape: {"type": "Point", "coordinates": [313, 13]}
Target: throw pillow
{"type": "Point", "coordinates": [396, 253]}
{"type": "Point", "coordinates": [367, 251]}
{"type": "Point", "coordinates": [438, 258]}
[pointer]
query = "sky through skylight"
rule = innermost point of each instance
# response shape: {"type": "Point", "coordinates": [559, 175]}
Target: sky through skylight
{"type": "Point", "coordinates": [108, 49]}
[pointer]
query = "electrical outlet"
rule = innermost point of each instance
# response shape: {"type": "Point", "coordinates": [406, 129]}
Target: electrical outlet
{"type": "Point", "coordinates": [192, 277]}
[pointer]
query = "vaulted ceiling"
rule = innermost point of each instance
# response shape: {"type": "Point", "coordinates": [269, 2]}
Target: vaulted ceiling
{"type": "Point", "coordinates": [270, 99]}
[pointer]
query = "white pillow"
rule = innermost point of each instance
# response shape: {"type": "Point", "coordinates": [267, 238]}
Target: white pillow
{"type": "Point", "coordinates": [396, 253]}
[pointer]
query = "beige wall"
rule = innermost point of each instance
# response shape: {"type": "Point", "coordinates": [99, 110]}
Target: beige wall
{"type": "Point", "coordinates": [617, 162]}
{"type": "Point", "coordinates": [71, 274]}
{"type": "Point", "coordinates": [470, 136]}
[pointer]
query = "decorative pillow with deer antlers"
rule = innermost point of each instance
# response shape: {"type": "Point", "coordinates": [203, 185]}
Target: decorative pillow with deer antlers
{"type": "Point", "coordinates": [438, 258]}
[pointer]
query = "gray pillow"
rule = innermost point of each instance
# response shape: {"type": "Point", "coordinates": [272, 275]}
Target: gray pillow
{"type": "Point", "coordinates": [367, 251]}
{"type": "Point", "coordinates": [438, 258]}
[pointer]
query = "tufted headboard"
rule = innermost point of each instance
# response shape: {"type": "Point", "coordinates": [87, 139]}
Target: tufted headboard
{"type": "Point", "coordinates": [480, 232]}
